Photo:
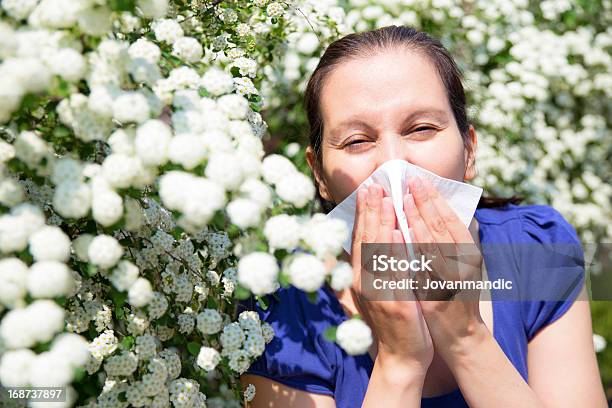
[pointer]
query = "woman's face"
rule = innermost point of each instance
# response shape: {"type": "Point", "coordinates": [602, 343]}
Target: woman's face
{"type": "Point", "coordinates": [392, 105]}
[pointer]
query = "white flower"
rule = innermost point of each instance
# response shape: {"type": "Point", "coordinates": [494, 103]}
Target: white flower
{"type": "Point", "coordinates": [244, 212]}
{"type": "Point", "coordinates": [599, 342]}
{"type": "Point", "coordinates": [13, 236]}
{"type": "Point", "coordinates": [104, 251]}
{"type": "Point", "coordinates": [101, 100]}
{"type": "Point", "coordinates": [146, 50]}
{"type": "Point", "coordinates": [295, 188]}
{"type": "Point", "coordinates": [324, 235]}
{"type": "Point", "coordinates": [107, 206]}
{"type": "Point", "coordinates": [224, 169]}
{"type": "Point", "coordinates": [306, 272]}
{"type": "Point", "coordinates": [140, 293]}
{"type": "Point", "coordinates": [208, 358]}
{"type": "Point", "coordinates": [308, 43]}
{"type": "Point", "coordinates": [275, 167]}
{"type": "Point", "coordinates": [66, 169]}
{"type": "Point", "coordinates": [19, 9]}
{"type": "Point", "coordinates": [167, 30]}
{"type": "Point", "coordinates": [217, 82]}
{"type": "Point", "coordinates": [11, 192]}
{"type": "Point", "coordinates": [30, 148]}
{"type": "Point", "coordinates": [72, 199]}
{"type": "Point", "coordinates": [13, 279]}
{"type": "Point", "coordinates": [73, 349]}
{"type": "Point", "coordinates": [131, 107]}
{"type": "Point", "coordinates": [282, 231]}
{"type": "Point", "coordinates": [95, 21]}
{"type": "Point", "coordinates": [209, 321]}
{"type": "Point", "coordinates": [274, 9]}
{"type": "Point", "coordinates": [232, 337]}
{"type": "Point", "coordinates": [81, 246]}
{"type": "Point", "coordinates": [153, 8]}
{"type": "Point", "coordinates": [257, 190]}
{"type": "Point", "coordinates": [239, 361]}
{"type": "Point", "coordinates": [188, 121]}
{"type": "Point", "coordinates": [50, 279]}
{"type": "Point", "coordinates": [119, 170]}
{"type": "Point", "coordinates": [188, 49]}
{"type": "Point", "coordinates": [124, 275]}
{"type": "Point", "coordinates": [258, 272]}
{"type": "Point", "coordinates": [342, 276]}
{"type": "Point", "coordinates": [188, 150]}
{"type": "Point", "coordinates": [354, 336]}
{"type": "Point", "coordinates": [67, 63]}
{"type": "Point", "coordinates": [50, 243]}
{"type": "Point", "coordinates": [152, 141]}
{"type": "Point", "coordinates": [49, 369]}
{"type": "Point", "coordinates": [15, 367]}
{"type": "Point", "coordinates": [249, 393]}
{"type": "Point", "coordinates": [234, 106]}
{"type": "Point", "coordinates": [37, 323]}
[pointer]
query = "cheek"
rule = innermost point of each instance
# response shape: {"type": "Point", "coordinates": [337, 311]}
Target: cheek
{"type": "Point", "coordinates": [344, 173]}
{"type": "Point", "coordinates": [444, 157]}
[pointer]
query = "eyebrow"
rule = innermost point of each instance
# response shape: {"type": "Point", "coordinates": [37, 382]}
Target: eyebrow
{"type": "Point", "coordinates": [357, 120]}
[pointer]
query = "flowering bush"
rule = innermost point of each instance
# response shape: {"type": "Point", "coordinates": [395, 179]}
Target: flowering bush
{"type": "Point", "coordinates": [136, 204]}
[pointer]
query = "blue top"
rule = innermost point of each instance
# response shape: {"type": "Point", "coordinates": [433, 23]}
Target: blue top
{"type": "Point", "coordinates": [300, 357]}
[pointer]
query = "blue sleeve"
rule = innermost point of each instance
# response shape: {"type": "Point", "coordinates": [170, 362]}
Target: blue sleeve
{"type": "Point", "coordinates": [298, 356]}
{"type": "Point", "coordinates": [552, 265]}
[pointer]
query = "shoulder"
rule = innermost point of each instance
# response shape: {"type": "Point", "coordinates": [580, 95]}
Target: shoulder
{"type": "Point", "coordinates": [549, 258]}
{"type": "Point", "coordinates": [299, 355]}
{"type": "Point", "coordinates": [529, 223]}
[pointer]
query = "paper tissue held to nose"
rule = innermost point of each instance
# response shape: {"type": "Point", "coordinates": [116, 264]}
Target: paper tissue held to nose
{"type": "Point", "coordinates": [393, 176]}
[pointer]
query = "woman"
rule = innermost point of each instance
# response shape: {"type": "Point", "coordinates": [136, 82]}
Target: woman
{"type": "Point", "coordinates": [397, 93]}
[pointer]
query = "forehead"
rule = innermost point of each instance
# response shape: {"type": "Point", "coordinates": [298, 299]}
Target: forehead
{"type": "Point", "coordinates": [389, 82]}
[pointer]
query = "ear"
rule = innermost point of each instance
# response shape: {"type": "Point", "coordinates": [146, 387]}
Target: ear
{"type": "Point", "coordinates": [470, 155]}
{"type": "Point", "coordinates": [310, 158]}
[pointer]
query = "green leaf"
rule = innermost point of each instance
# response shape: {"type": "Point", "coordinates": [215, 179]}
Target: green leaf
{"type": "Point", "coordinates": [91, 270]}
{"type": "Point", "coordinates": [193, 348]}
{"type": "Point", "coordinates": [263, 302]}
{"type": "Point", "coordinates": [241, 292]}
{"type": "Point", "coordinates": [330, 333]}
{"type": "Point", "coordinates": [283, 280]}
{"type": "Point", "coordinates": [79, 373]}
{"type": "Point", "coordinates": [127, 342]}
{"type": "Point", "coordinates": [312, 297]}
{"type": "Point", "coordinates": [118, 298]}
{"type": "Point", "coordinates": [122, 5]}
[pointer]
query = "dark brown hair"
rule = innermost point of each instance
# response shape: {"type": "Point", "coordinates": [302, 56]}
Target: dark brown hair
{"type": "Point", "coordinates": [367, 43]}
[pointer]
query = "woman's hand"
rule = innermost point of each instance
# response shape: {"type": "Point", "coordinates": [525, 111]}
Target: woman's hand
{"type": "Point", "coordinates": [400, 331]}
{"type": "Point", "coordinates": [455, 325]}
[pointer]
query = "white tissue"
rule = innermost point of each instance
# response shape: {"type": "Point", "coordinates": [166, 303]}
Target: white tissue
{"type": "Point", "coordinates": [393, 176]}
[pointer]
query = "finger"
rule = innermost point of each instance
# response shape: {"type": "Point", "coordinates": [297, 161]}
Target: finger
{"type": "Point", "coordinates": [387, 221]}
{"type": "Point", "coordinates": [455, 227]}
{"type": "Point", "coordinates": [359, 214]}
{"type": "Point", "coordinates": [357, 234]}
{"type": "Point", "coordinates": [372, 213]}
{"type": "Point", "coordinates": [425, 245]}
{"type": "Point", "coordinates": [428, 212]}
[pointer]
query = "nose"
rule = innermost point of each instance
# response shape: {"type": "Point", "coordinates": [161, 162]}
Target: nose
{"type": "Point", "coordinates": [390, 147]}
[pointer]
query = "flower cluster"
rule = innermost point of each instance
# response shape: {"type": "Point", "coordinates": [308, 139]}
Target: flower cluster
{"type": "Point", "coordinates": [134, 191]}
